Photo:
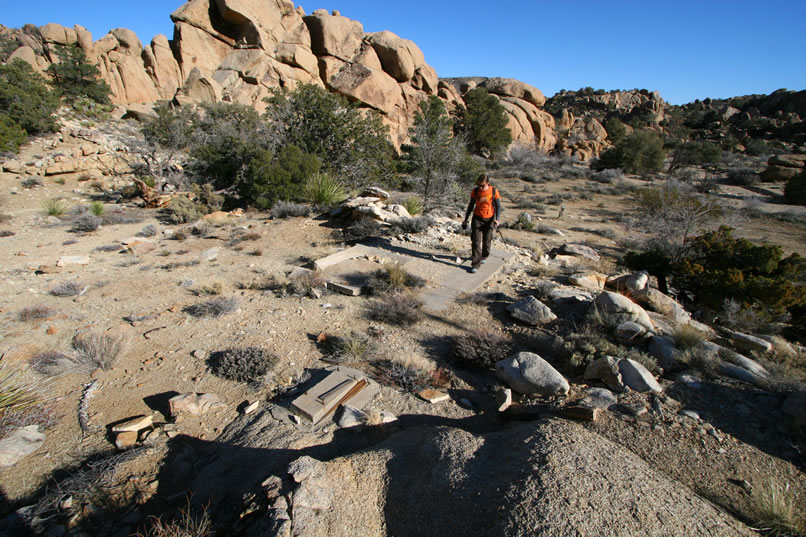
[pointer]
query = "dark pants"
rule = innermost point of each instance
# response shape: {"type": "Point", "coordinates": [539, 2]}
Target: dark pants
{"type": "Point", "coordinates": [481, 235]}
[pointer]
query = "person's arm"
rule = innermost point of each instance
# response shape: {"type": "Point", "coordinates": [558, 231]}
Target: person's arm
{"type": "Point", "coordinates": [470, 208]}
{"type": "Point", "coordinates": [497, 205]}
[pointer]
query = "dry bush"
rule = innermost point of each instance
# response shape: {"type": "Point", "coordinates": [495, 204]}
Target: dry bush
{"type": "Point", "coordinates": [42, 414]}
{"type": "Point", "coordinates": [35, 313]}
{"type": "Point", "coordinates": [213, 289]}
{"type": "Point", "coordinates": [213, 308]}
{"type": "Point", "coordinates": [246, 364]}
{"type": "Point", "coordinates": [408, 375]}
{"type": "Point", "coordinates": [116, 215]}
{"type": "Point", "coordinates": [687, 337]}
{"type": "Point", "coordinates": [108, 248]}
{"type": "Point", "coordinates": [480, 348]}
{"type": "Point", "coordinates": [286, 209]}
{"type": "Point", "coordinates": [148, 231]}
{"type": "Point", "coordinates": [85, 223]}
{"type": "Point", "coordinates": [186, 525]}
{"type": "Point", "coordinates": [17, 390]}
{"type": "Point", "coordinates": [415, 224]}
{"type": "Point", "coordinates": [6, 232]}
{"type": "Point", "coordinates": [700, 359]}
{"type": "Point", "coordinates": [392, 278]}
{"type": "Point", "coordinates": [306, 283]}
{"type": "Point", "coordinates": [778, 510]}
{"type": "Point", "coordinates": [54, 363]}
{"type": "Point", "coordinates": [353, 347]}
{"type": "Point", "coordinates": [99, 349]}
{"type": "Point", "coordinates": [67, 289]}
{"type": "Point", "coordinates": [401, 309]}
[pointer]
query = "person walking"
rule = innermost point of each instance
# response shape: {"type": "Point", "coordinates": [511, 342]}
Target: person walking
{"type": "Point", "coordinates": [485, 205]}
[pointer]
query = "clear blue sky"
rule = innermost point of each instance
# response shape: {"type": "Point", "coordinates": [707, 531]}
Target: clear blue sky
{"type": "Point", "coordinates": [684, 49]}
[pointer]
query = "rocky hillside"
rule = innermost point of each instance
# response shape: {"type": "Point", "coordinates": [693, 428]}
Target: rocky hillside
{"type": "Point", "coordinates": [237, 50]}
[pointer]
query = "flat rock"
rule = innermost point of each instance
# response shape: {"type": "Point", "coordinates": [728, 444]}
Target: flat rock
{"type": "Point", "coordinates": [528, 373]}
{"type": "Point", "coordinates": [637, 377]}
{"type": "Point", "coordinates": [73, 260]}
{"type": "Point", "coordinates": [739, 373]}
{"type": "Point", "coordinates": [748, 343]}
{"type": "Point", "coordinates": [594, 281]}
{"type": "Point", "coordinates": [209, 254]}
{"type": "Point", "coordinates": [193, 403]}
{"type": "Point", "coordinates": [629, 331]}
{"type": "Point", "coordinates": [503, 399]}
{"type": "Point", "coordinates": [577, 250]}
{"type": "Point", "coordinates": [599, 398]}
{"type": "Point", "coordinates": [433, 396]}
{"type": "Point", "coordinates": [531, 311]}
{"type": "Point", "coordinates": [135, 424]}
{"type": "Point", "coordinates": [19, 444]}
{"type": "Point", "coordinates": [352, 417]}
{"type": "Point", "coordinates": [126, 439]}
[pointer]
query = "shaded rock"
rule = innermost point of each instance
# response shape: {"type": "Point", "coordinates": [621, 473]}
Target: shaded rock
{"type": "Point", "coordinates": [193, 403]}
{"type": "Point", "coordinates": [637, 377]}
{"type": "Point", "coordinates": [125, 439]}
{"type": "Point", "coordinates": [740, 373]}
{"type": "Point", "coordinates": [352, 417]}
{"type": "Point", "coordinates": [629, 331]}
{"type": "Point", "coordinates": [577, 250]}
{"type": "Point", "coordinates": [528, 373]}
{"type": "Point", "coordinates": [748, 343]}
{"type": "Point", "coordinates": [599, 398]}
{"type": "Point", "coordinates": [606, 370]}
{"type": "Point", "coordinates": [19, 444]}
{"type": "Point", "coordinates": [531, 311]}
{"type": "Point", "coordinates": [135, 424]}
{"type": "Point", "coordinates": [503, 399]}
{"type": "Point", "coordinates": [662, 349]}
{"type": "Point", "coordinates": [795, 406]}
{"type": "Point", "coordinates": [615, 309]}
{"type": "Point", "coordinates": [690, 380]}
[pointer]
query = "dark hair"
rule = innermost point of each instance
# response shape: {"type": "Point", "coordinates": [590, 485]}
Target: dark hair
{"type": "Point", "coordinates": [483, 178]}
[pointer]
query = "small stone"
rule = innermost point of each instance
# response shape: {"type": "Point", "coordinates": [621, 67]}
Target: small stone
{"type": "Point", "coordinates": [295, 419]}
{"type": "Point", "coordinates": [434, 396]}
{"type": "Point", "coordinates": [352, 417]}
{"type": "Point", "coordinates": [73, 260]}
{"type": "Point", "coordinates": [210, 254]}
{"type": "Point", "coordinates": [51, 330]}
{"type": "Point", "coordinates": [126, 439]}
{"type": "Point", "coordinates": [199, 354]}
{"type": "Point", "coordinates": [690, 414]}
{"type": "Point", "coordinates": [503, 399]}
{"type": "Point", "coordinates": [251, 407]}
{"type": "Point", "coordinates": [135, 424]}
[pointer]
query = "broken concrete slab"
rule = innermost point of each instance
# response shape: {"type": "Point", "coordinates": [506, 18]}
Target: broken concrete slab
{"type": "Point", "coordinates": [434, 396]}
{"type": "Point", "coordinates": [324, 397]}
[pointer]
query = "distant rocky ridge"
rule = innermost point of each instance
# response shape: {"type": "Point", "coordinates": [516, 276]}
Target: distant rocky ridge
{"type": "Point", "coordinates": [236, 50]}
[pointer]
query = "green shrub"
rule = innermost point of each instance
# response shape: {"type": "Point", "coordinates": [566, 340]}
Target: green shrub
{"type": "Point", "coordinates": [12, 136]}
{"type": "Point", "coordinates": [413, 205]}
{"type": "Point", "coordinates": [742, 176]}
{"type": "Point", "coordinates": [640, 152]}
{"type": "Point", "coordinates": [352, 143]}
{"type": "Point", "coordinates": [26, 98]}
{"type": "Point", "coordinates": [795, 189]}
{"type": "Point", "coordinates": [86, 107]}
{"type": "Point", "coordinates": [482, 123]}
{"type": "Point", "coordinates": [324, 190]}
{"type": "Point", "coordinates": [74, 77]}
{"type": "Point", "coordinates": [54, 208]}
{"type": "Point", "coordinates": [205, 201]}
{"type": "Point", "coordinates": [97, 208]}
{"type": "Point", "coordinates": [616, 130]}
{"type": "Point", "coordinates": [17, 392]}
{"type": "Point", "coordinates": [269, 179]}
{"type": "Point", "coordinates": [695, 154]}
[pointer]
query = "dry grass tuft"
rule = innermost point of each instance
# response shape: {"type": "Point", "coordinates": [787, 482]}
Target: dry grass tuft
{"type": "Point", "coordinates": [480, 348]}
{"type": "Point", "coordinates": [185, 525]}
{"type": "Point", "coordinates": [17, 390]}
{"type": "Point", "coordinates": [687, 337]}
{"type": "Point", "coordinates": [35, 313]}
{"type": "Point", "coordinates": [99, 349]}
{"type": "Point", "coordinates": [305, 284]}
{"type": "Point", "coordinates": [214, 307]}
{"type": "Point", "coordinates": [778, 510]}
{"type": "Point", "coordinates": [400, 309]}
{"type": "Point", "coordinates": [410, 374]}
{"type": "Point", "coordinates": [67, 289]}
{"type": "Point", "coordinates": [393, 279]}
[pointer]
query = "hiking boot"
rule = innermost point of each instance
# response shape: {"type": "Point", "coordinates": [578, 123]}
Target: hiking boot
{"type": "Point", "coordinates": [483, 260]}
{"type": "Point", "coordinates": [474, 270]}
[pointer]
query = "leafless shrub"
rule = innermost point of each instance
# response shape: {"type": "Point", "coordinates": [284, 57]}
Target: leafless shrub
{"type": "Point", "coordinates": [398, 309]}
{"type": "Point", "coordinates": [86, 223]}
{"type": "Point", "coordinates": [286, 209]}
{"type": "Point", "coordinates": [35, 313]}
{"type": "Point", "coordinates": [108, 248]}
{"type": "Point", "coordinates": [148, 231]}
{"type": "Point", "coordinates": [186, 525]}
{"type": "Point", "coordinates": [608, 175]}
{"type": "Point", "coordinates": [307, 283]}
{"type": "Point", "coordinates": [117, 215]}
{"type": "Point", "coordinates": [404, 374]}
{"type": "Point", "coordinates": [246, 364]}
{"type": "Point", "coordinates": [213, 289]}
{"type": "Point", "coordinates": [6, 233]}
{"type": "Point", "coordinates": [43, 414]}
{"type": "Point", "coordinates": [480, 348]}
{"type": "Point", "coordinates": [99, 349]}
{"type": "Point", "coordinates": [393, 279]}
{"type": "Point", "coordinates": [213, 308]}
{"type": "Point", "coordinates": [67, 289]}
{"type": "Point", "coordinates": [415, 224]}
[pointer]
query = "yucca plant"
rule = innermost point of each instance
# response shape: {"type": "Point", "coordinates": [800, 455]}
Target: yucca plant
{"type": "Point", "coordinates": [324, 189]}
{"type": "Point", "coordinates": [97, 208]}
{"type": "Point", "coordinates": [413, 205]}
{"type": "Point", "coordinates": [54, 207]}
{"type": "Point", "coordinates": [16, 391]}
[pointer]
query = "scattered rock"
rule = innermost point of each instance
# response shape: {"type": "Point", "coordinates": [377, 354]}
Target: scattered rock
{"type": "Point", "coordinates": [352, 417]}
{"type": "Point", "coordinates": [73, 260]}
{"type": "Point", "coordinates": [599, 398]}
{"type": "Point", "coordinates": [615, 309]}
{"type": "Point", "coordinates": [503, 399]}
{"type": "Point", "coordinates": [637, 377]}
{"type": "Point", "coordinates": [740, 373]}
{"type": "Point", "coordinates": [690, 414]}
{"type": "Point", "coordinates": [126, 439]}
{"type": "Point", "coordinates": [576, 250]}
{"type": "Point", "coordinates": [19, 444]}
{"type": "Point", "coordinates": [209, 254]}
{"type": "Point", "coordinates": [528, 373]}
{"type": "Point", "coordinates": [629, 331]}
{"type": "Point", "coordinates": [605, 369]}
{"type": "Point", "coordinates": [531, 311]}
{"type": "Point", "coordinates": [434, 396]}
{"type": "Point", "coordinates": [748, 343]}
{"type": "Point", "coordinates": [690, 380]}
{"type": "Point", "coordinates": [594, 281]}
{"type": "Point", "coordinates": [662, 348]}
{"type": "Point", "coordinates": [251, 407]}
{"type": "Point", "coordinates": [193, 403]}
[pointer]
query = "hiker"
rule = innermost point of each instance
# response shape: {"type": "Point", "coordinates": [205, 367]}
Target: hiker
{"type": "Point", "coordinates": [485, 204]}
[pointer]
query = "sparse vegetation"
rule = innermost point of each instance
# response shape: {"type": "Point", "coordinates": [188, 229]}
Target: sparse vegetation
{"type": "Point", "coordinates": [286, 209]}
{"type": "Point", "coordinates": [778, 510]}
{"type": "Point", "coordinates": [186, 525]}
{"type": "Point", "coordinates": [247, 364]}
{"type": "Point", "coordinates": [307, 283]}
{"type": "Point", "coordinates": [687, 337]}
{"type": "Point", "coordinates": [400, 309]}
{"type": "Point", "coordinates": [393, 279]}
{"type": "Point", "coordinates": [148, 231]}
{"type": "Point", "coordinates": [480, 348]}
{"type": "Point", "coordinates": [324, 190]}
{"type": "Point", "coordinates": [214, 307]}
{"type": "Point", "coordinates": [55, 208]}
{"type": "Point", "coordinates": [35, 313]}
{"type": "Point", "coordinates": [413, 205]}
{"type": "Point", "coordinates": [97, 208]}
{"type": "Point", "coordinates": [86, 223]}
{"type": "Point", "coordinates": [352, 347]}
{"type": "Point", "coordinates": [99, 348]}
{"type": "Point", "coordinates": [67, 289]}
{"type": "Point", "coordinates": [17, 391]}
{"type": "Point", "coordinates": [407, 375]}
{"type": "Point", "coordinates": [54, 363]}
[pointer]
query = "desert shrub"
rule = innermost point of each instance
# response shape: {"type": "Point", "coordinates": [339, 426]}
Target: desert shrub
{"type": "Point", "coordinates": [269, 179]}
{"type": "Point", "coordinates": [26, 99]}
{"type": "Point", "coordinates": [362, 228]}
{"type": "Point", "coordinates": [608, 175]}
{"type": "Point", "coordinates": [212, 289]}
{"type": "Point", "coordinates": [324, 190]}
{"type": "Point", "coordinates": [400, 309]}
{"type": "Point", "coordinates": [307, 283]}
{"type": "Point", "coordinates": [482, 123]}
{"type": "Point", "coordinates": [244, 364]}
{"type": "Point", "coordinates": [752, 318]}
{"type": "Point", "coordinates": [616, 130]}
{"type": "Point", "coordinates": [523, 157]}
{"type": "Point", "coordinates": [183, 210]}
{"type": "Point", "coordinates": [54, 364]}
{"type": "Point", "coordinates": [186, 525]}
{"type": "Point", "coordinates": [148, 231]}
{"type": "Point", "coordinates": [17, 390]}
{"type": "Point", "coordinates": [97, 208]}
{"type": "Point", "coordinates": [31, 182]}
{"type": "Point", "coordinates": [742, 176]}
{"type": "Point", "coordinates": [407, 375]}
{"type": "Point", "coordinates": [35, 313]}
{"type": "Point", "coordinates": [108, 248]}
{"type": "Point", "coordinates": [214, 307]}
{"type": "Point", "coordinates": [524, 222]}
{"type": "Point", "coordinates": [640, 152]}
{"type": "Point", "coordinates": [687, 337]}
{"type": "Point", "coordinates": [351, 143]}
{"type": "Point", "coordinates": [286, 209]}
{"type": "Point", "coordinates": [778, 510]}
{"type": "Point", "coordinates": [352, 347]}
{"type": "Point", "coordinates": [6, 233]}
{"type": "Point", "coordinates": [43, 414]}
{"type": "Point", "coordinates": [67, 289]}
{"type": "Point", "coordinates": [87, 108]}
{"type": "Point", "coordinates": [98, 348]}
{"type": "Point", "coordinates": [74, 76]}
{"type": "Point", "coordinates": [795, 189]}
{"type": "Point", "coordinates": [204, 200]}
{"type": "Point", "coordinates": [86, 223]}
{"type": "Point", "coordinates": [12, 136]}
{"type": "Point", "coordinates": [392, 279]}
{"type": "Point", "coordinates": [54, 207]}
{"type": "Point", "coordinates": [413, 205]}
{"type": "Point", "coordinates": [415, 224]}
{"type": "Point", "coordinates": [480, 348]}
{"type": "Point", "coordinates": [694, 153]}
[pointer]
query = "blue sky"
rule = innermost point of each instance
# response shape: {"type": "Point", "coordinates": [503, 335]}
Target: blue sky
{"type": "Point", "coordinates": [684, 49]}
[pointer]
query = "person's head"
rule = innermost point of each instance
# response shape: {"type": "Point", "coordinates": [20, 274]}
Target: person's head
{"type": "Point", "coordinates": [482, 180]}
